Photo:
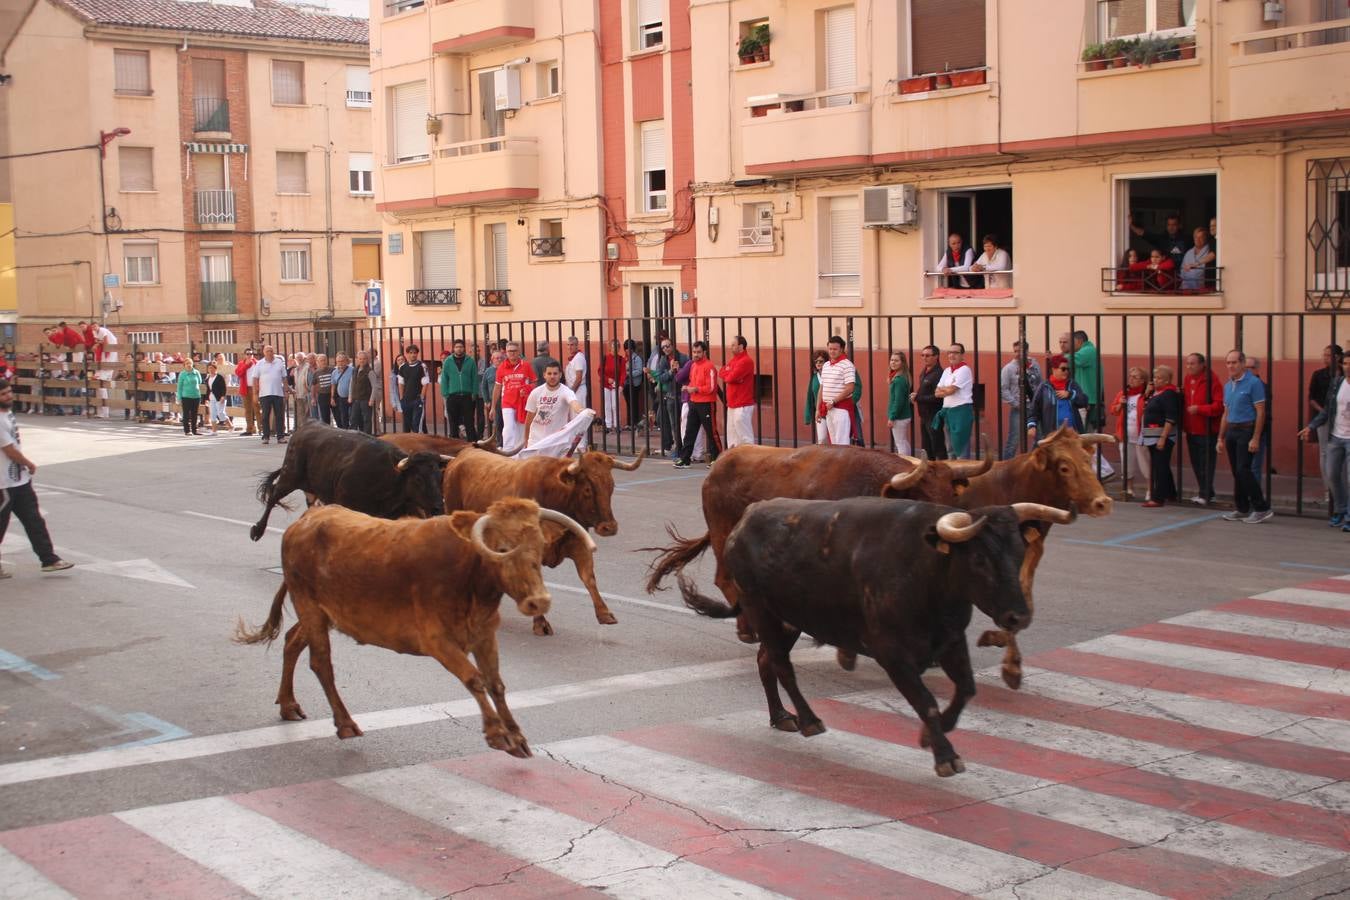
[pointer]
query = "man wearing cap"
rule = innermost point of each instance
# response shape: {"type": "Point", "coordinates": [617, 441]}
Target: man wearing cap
{"type": "Point", "coordinates": [249, 397]}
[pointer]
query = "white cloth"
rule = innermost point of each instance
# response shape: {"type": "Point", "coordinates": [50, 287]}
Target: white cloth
{"type": "Point", "coordinates": [740, 426]}
{"type": "Point", "coordinates": [836, 426]}
{"type": "Point", "coordinates": [268, 379]}
{"type": "Point", "coordinates": [611, 407]}
{"type": "Point", "coordinates": [11, 473]}
{"type": "Point", "coordinates": [700, 442]}
{"type": "Point", "coordinates": [552, 410]}
{"type": "Point", "coordinates": [513, 433]}
{"type": "Point", "coordinates": [999, 260]}
{"type": "Point", "coordinates": [834, 377]}
{"type": "Point", "coordinates": [964, 382]}
{"type": "Point", "coordinates": [557, 443]}
{"type": "Point", "coordinates": [900, 434]}
{"type": "Point", "coordinates": [1340, 426]}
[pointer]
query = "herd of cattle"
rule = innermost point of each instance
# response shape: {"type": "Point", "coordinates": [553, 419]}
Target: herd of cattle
{"type": "Point", "coordinates": [863, 550]}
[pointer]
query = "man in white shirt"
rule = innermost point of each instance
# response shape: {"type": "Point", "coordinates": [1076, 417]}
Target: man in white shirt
{"type": "Point", "coordinates": [574, 376]}
{"type": "Point", "coordinates": [16, 489]}
{"type": "Point", "coordinates": [267, 381]}
{"type": "Point", "coordinates": [955, 260]}
{"type": "Point", "coordinates": [956, 387]}
{"type": "Point", "coordinates": [107, 364]}
{"type": "Point", "coordinates": [550, 425]}
{"type": "Point", "coordinates": [834, 411]}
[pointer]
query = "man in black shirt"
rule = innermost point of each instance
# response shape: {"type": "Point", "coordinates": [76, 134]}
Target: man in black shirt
{"type": "Point", "coordinates": [934, 442]}
{"type": "Point", "coordinates": [1317, 395]}
{"type": "Point", "coordinates": [413, 380]}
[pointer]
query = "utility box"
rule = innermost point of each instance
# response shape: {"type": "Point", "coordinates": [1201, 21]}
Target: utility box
{"type": "Point", "coordinates": [506, 88]}
{"type": "Point", "coordinates": [892, 204]}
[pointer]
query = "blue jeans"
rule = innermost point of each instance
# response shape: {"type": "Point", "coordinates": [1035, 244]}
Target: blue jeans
{"type": "Point", "coordinates": [1338, 472]}
{"type": "Point", "coordinates": [1012, 444]}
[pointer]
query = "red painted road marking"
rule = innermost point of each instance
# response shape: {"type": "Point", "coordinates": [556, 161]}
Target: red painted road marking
{"type": "Point", "coordinates": [1294, 612]}
{"type": "Point", "coordinates": [1335, 585]}
{"type": "Point", "coordinates": [1246, 644]}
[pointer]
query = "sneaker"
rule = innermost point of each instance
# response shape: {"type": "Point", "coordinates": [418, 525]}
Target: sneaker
{"type": "Point", "coordinates": [681, 464]}
{"type": "Point", "coordinates": [59, 566]}
{"type": "Point", "coordinates": [281, 440]}
{"type": "Point", "coordinates": [1199, 501]}
{"type": "Point", "coordinates": [267, 441]}
{"type": "Point", "coordinates": [1256, 518]}
{"type": "Point", "coordinates": [1337, 520]}
{"type": "Point", "coordinates": [711, 462]}
{"type": "Point", "coordinates": [1234, 516]}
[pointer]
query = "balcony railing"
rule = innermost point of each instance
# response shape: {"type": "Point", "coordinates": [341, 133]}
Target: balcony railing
{"type": "Point", "coordinates": [494, 297]}
{"type": "Point", "coordinates": [210, 114]}
{"type": "Point", "coordinates": [1295, 37]}
{"type": "Point", "coordinates": [992, 284]}
{"type": "Point", "coordinates": [769, 104]}
{"type": "Point", "coordinates": [218, 298]}
{"type": "Point", "coordinates": [1141, 279]}
{"type": "Point", "coordinates": [546, 246]}
{"type": "Point", "coordinates": [215, 207]}
{"type": "Point", "coordinates": [433, 297]}
{"type": "Point", "coordinates": [358, 99]}
{"type": "Point", "coordinates": [756, 238]}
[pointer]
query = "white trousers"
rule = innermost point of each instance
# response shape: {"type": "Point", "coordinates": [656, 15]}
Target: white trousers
{"type": "Point", "coordinates": [1143, 468]}
{"type": "Point", "coordinates": [836, 426]}
{"type": "Point", "coordinates": [740, 426]}
{"type": "Point", "coordinates": [900, 434]}
{"type": "Point", "coordinates": [513, 432]}
{"type": "Point", "coordinates": [700, 442]}
{"type": "Point", "coordinates": [556, 445]}
{"type": "Point", "coordinates": [611, 407]}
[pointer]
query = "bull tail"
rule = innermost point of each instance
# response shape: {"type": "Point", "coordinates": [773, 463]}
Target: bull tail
{"type": "Point", "coordinates": [265, 487]}
{"type": "Point", "coordinates": [267, 631]}
{"type": "Point", "coordinates": [703, 604]}
{"type": "Point", "coordinates": [673, 559]}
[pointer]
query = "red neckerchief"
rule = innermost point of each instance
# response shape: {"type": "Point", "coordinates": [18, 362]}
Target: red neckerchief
{"type": "Point", "coordinates": [895, 373]}
{"type": "Point", "coordinates": [1060, 384]}
{"type": "Point", "coordinates": [1166, 387]}
{"type": "Point", "coordinates": [1133, 391]}
{"type": "Point", "coordinates": [958, 367]}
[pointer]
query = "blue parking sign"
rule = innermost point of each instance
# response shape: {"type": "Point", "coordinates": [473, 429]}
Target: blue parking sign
{"type": "Point", "coordinates": [373, 302]}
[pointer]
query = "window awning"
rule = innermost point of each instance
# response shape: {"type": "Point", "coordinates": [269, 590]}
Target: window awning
{"type": "Point", "coordinates": [194, 147]}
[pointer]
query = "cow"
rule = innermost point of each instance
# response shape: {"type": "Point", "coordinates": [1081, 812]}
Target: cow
{"type": "Point", "coordinates": [582, 488]}
{"type": "Point", "coordinates": [353, 470]}
{"type": "Point", "coordinates": [892, 579]}
{"type": "Point", "coordinates": [426, 587]}
{"type": "Point", "coordinates": [411, 442]}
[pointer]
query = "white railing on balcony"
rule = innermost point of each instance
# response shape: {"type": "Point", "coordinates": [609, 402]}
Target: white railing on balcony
{"type": "Point", "coordinates": [790, 103]}
{"type": "Point", "coordinates": [358, 99]}
{"type": "Point", "coordinates": [215, 207]}
{"type": "Point", "coordinates": [1294, 37]}
{"type": "Point", "coordinates": [488, 145]}
{"type": "Point", "coordinates": [756, 238]}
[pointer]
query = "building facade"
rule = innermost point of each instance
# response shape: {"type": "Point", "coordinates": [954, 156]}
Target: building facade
{"type": "Point", "coordinates": [213, 173]}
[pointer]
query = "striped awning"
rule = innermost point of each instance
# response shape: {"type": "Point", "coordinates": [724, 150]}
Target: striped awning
{"type": "Point", "coordinates": [194, 147]}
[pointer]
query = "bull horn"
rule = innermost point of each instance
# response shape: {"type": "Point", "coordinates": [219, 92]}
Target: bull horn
{"type": "Point", "coordinates": [402, 464]}
{"type": "Point", "coordinates": [1041, 513]}
{"type": "Point", "coordinates": [957, 527]}
{"type": "Point", "coordinates": [629, 467]}
{"type": "Point", "coordinates": [969, 468]}
{"type": "Point", "coordinates": [915, 460]}
{"type": "Point", "coordinates": [574, 468]}
{"type": "Point", "coordinates": [903, 481]}
{"type": "Point", "coordinates": [501, 452]}
{"type": "Point", "coordinates": [487, 443]}
{"type": "Point", "coordinates": [476, 535]}
{"type": "Point", "coordinates": [557, 518]}
{"type": "Point", "coordinates": [446, 459]}
{"type": "Point", "coordinates": [1090, 440]}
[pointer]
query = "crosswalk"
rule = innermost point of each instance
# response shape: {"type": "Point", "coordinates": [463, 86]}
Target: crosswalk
{"type": "Point", "coordinates": [1195, 757]}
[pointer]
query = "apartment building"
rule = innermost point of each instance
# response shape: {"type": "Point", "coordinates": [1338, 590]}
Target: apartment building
{"type": "Point", "coordinates": [204, 171]}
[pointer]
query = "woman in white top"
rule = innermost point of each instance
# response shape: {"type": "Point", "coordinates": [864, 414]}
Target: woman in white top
{"type": "Point", "coordinates": [956, 387]}
{"type": "Point", "coordinates": [994, 259]}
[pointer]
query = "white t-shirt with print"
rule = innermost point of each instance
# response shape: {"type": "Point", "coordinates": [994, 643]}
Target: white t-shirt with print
{"type": "Point", "coordinates": [11, 474]}
{"type": "Point", "coordinates": [552, 410]}
{"type": "Point", "coordinates": [1340, 422]}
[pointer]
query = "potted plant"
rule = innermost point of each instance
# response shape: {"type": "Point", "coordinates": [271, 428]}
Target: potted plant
{"type": "Point", "coordinates": [1094, 57]}
{"type": "Point", "coordinates": [1116, 53]}
{"type": "Point", "coordinates": [968, 78]}
{"type": "Point", "coordinates": [1147, 51]}
{"type": "Point", "coordinates": [748, 49]}
{"type": "Point", "coordinates": [944, 78]}
{"type": "Point", "coordinates": [916, 85]}
{"type": "Point", "coordinates": [1171, 51]}
{"type": "Point", "coordinates": [1186, 47]}
{"type": "Point", "coordinates": [761, 34]}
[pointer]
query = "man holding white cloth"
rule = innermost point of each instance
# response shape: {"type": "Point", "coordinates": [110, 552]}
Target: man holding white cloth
{"type": "Point", "coordinates": [834, 414]}
{"type": "Point", "coordinates": [553, 416]}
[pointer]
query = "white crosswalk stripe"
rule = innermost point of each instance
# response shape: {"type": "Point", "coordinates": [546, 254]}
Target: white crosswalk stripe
{"type": "Point", "coordinates": [20, 881]}
{"type": "Point", "coordinates": [1307, 597]}
{"type": "Point", "coordinates": [1260, 627]}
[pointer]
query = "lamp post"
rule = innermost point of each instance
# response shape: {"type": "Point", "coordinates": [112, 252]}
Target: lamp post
{"type": "Point", "coordinates": [104, 139]}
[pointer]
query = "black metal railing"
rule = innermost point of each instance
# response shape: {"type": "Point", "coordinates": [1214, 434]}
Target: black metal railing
{"type": "Point", "coordinates": [494, 297]}
{"type": "Point", "coordinates": [218, 298]}
{"type": "Point", "coordinates": [1141, 278]}
{"type": "Point", "coordinates": [433, 297]}
{"type": "Point", "coordinates": [210, 114]}
{"type": "Point", "coordinates": [546, 246]}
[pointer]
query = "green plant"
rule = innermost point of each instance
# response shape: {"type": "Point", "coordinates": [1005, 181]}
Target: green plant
{"type": "Point", "coordinates": [1118, 48]}
{"type": "Point", "coordinates": [1093, 51]}
{"type": "Point", "coordinates": [1147, 51]}
{"type": "Point", "coordinates": [750, 45]}
{"type": "Point", "coordinates": [761, 34]}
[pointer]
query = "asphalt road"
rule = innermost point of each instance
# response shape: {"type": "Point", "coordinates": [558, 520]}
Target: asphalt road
{"type": "Point", "coordinates": [131, 649]}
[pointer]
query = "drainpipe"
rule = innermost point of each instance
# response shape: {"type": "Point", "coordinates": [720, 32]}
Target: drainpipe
{"type": "Point", "coordinates": [1278, 255]}
{"type": "Point", "coordinates": [875, 246]}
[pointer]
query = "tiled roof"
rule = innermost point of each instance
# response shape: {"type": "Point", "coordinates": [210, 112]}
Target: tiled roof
{"type": "Point", "coordinates": [260, 21]}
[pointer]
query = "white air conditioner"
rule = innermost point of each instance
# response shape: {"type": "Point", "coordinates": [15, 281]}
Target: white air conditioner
{"type": "Point", "coordinates": [506, 88]}
{"type": "Point", "coordinates": [893, 204]}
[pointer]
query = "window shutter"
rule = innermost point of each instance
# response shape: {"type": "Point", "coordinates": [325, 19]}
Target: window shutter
{"type": "Point", "coordinates": [438, 259]}
{"type": "Point", "coordinates": [841, 57]}
{"type": "Point", "coordinates": [1121, 18]}
{"type": "Point", "coordinates": [648, 12]}
{"type": "Point", "coordinates": [358, 79]}
{"type": "Point", "coordinates": [208, 79]}
{"type": "Point", "coordinates": [365, 262]}
{"type": "Point", "coordinates": [288, 81]}
{"type": "Point", "coordinates": [947, 34]}
{"type": "Point", "coordinates": [131, 71]}
{"type": "Point", "coordinates": [291, 173]}
{"type": "Point", "coordinates": [136, 166]}
{"type": "Point", "coordinates": [499, 279]}
{"type": "Point", "coordinates": [208, 171]}
{"type": "Point", "coordinates": [845, 247]}
{"type": "Point", "coordinates": [410, 121]}
{"type": "Point", "coordinates": [653, 146]}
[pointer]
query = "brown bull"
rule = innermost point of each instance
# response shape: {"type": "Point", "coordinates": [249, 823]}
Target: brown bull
{"type": "Point", "coordinates": [410, 442]}
{"type": "Point", "coordinates": [582, 488]}
{"type": "Point", "coordinates": [426, 587]}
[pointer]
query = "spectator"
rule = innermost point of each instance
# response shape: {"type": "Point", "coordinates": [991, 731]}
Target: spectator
{"type": "Point", "coordinates": [955, 263]}
{"type": "Point", "coordinates": [323, 389]}
{"type": "Point", "coordinates": [1317, 393]}
{"type": "Point", "coordinates": [700, 449]}
{"type": "Point", "coordinates": [188, 389]}
{"type": "Point", "coordinates": [929, 404]}
{"type": "Point", "coordinates": [267, 382]}
{"type": "Point", "coordinates": [668, 364]}
{"type": "Point", "coordinates": [1195, 275]}
{"type": "Point", "coordinates": [1017, 382]}
{"type": "Point", "coordinates": [649, 370]}
{"type": "Point", "coordinates": [739, 377]}
{"type": "Point", "coordinates": [541, 360]}
{"type": "Point", "coordinates": [1202, 394]}
{"type": "Point", "coordinates": [1056, 402]}
{"type": "Point", "coordinates": [215, 389]}
{"type": "Point", "coordinates": [459, 387]}
{"type": "Point", "coordinates": [856, 418]}
{"type": "Point", "coordinates": [413, 379]}
{"type": "Point", "coordinates": [612, 369]}
{"type": "Point", "coordinates": [956, 387]}
{"type": "Point", "coordinates": [396, 387]}
{"type": "Point", "coordinates": [1159, 273]}
{"type": "Point", "coordinates": [1129, 275]}
{"type": "Point", "coordinates": [574, 373]}
{"type": "Point", "coordinates": [1162, 419]}
{"type": "Point", "coordinates": [1244, 419]}
{"type": "Point", "coordinates": [818, 359]}
{"type": "Point", "coordinates": [899, 412]}
{"type": "Point", "coordinates": [1253, 365]}
{"type": "Point", "coordinates": [341, 397]}
{"type": "Point", "coordinates": [303, 387]}
{"type": "Point", "coordinates": [834, 406]}
{"type": "Point", "coordinates": [994, 260]}
{"type": "Point", "coordinates": [702, 380]}
{"type": "Point", "coordinates": [1334, 415]}
{"type": "Point", "coordinates": [249, 398]}
{"type": "Point", "coordinates": [1085, 368]}
{"type": "Point", "coordinates": [16, 489]}
{"type": "Point", "coordinates": [1128, 408]}
{"type": "Point", "coordinates": [487, 386]}
{"type": "Point", "coordinates": [515, 377]}
{"type": "Point", "coordinates": [363, 394]}
{"type": "Point", "coordinates": [1172, 244]}
{"type": "Point", "coordinates": [553, 417]}
{"type": "Point", "coordinates": [376, 391]}
{"type": "Point", "coordinates": [633, 381]}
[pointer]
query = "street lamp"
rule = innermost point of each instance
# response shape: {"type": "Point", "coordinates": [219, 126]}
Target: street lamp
{"type": "Point", "coordinates": [107, 137]}
{"type": "Point", "coordinates": [104, 139]}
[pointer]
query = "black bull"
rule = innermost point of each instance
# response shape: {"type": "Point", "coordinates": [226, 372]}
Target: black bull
{"type": "Point", "coordinates": [892, 579]}
{"type": "Point", "coordinates": [353, 470]}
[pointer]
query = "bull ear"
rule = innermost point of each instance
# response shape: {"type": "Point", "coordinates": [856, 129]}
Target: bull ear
{"type": "Point", "coordinates": [462, 523]}
{"type": "Point", "coordinates": [1031, 533]}
{"type": "Point", "coordinates": [937, 543]}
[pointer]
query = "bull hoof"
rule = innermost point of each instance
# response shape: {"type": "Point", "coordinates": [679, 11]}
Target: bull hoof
{"type": "Point", "coordinates": [925, 738]}
{"type": "Point", "coordinates": [811, 729]}
{"type": "Point", "coordinates": [1012, 679]}
{"type": "Point", "coordinates": [847, 661]}
{"type": "Point", "coordinates": [255, 532]}
{"type": "Point", "coordinates": [949, 768]}
{"type": "Point", "coordinates": [992, 639]}
{"type": "Point", "coordinates": [606, 618]}
{"type": "Point", "coordinates": [541, 626]}
{"type": "Point", "coordinates": [785, 722]}
{"type": "Point", "coordinates": [292, 712]}
{"type": "Point", "coordinates": [512, 742]}
{"type": "Point", "coordinates": [747, 637]}
{"type": "Point", "coordinates": [350, 730]}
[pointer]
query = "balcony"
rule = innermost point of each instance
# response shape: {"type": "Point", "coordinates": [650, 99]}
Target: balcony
{"type": "Point", "coordinates": [1142, 280]}
{"type": "Point", "coordinates": [215, 207]}
{"type": "Point", "coordinates": [358, 100]}
{"type": "Point", "coordinates": [433, 297]}
{"type": "Point", "coordinates": [218, 298]}
{"type": "Point", "coordinates": [494, 297]}
{"type": "Point", "coordinates": [210, 114]}
{"type": "Point", "coordinates": [485, 171]}
{"type": "Point", "coordinates": [468, 26]}
{"type": "Point", "coordinates": [803, 132]}
{"type": "Point", "coordinates": [1292, 71]}
{"type": "Point", "coordinates": [546, 246]}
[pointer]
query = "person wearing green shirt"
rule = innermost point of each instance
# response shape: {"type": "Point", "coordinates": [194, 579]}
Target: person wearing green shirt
{"type": "Point", "coordinates": [189, 390]}
{"type": "Point", "coordinates": [1085, 369]}
{"type": "Point", "coordinates": [813, 390]}
{"type": "Point", "coordinates": [459, 387]}
{"type": "Point", "coordinates": [898, 411]}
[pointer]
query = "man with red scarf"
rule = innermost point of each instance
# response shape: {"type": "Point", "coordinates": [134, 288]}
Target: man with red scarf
{"type": "Point", "coordinates": [1057, 401]}
{"type": "Point", "coordinates": [739, 376]}
{"type": "Point", "coordinates": [1202, 405]}
{"type": "Point", "coordinates": [834, 409]}
{"type": "Point", "coordinates": [250, 398]}
{"type": "Point", "coordinates": [613, 368]}
{"type": "Point", "coordinates": [515, 377]}
{"type": "Point", "coordinates": [702, 395]}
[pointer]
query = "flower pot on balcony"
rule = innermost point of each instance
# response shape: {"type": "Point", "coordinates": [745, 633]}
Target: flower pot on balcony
{"type": "Point", "coordinates": [762, 55]}
{"type": "Point", "coordinates": [1119, 62]}
{"type": "Point", "coordinates": [1096, 65]}
{"type": "Point", "coordinates": [916, 85]}
{"type": "Point", "coordinates": [758, 112]}
{"type": "Point", "coordinates": [747, 58]}
{"type": "Point", "coordinates": [969, 78]}
{"type": "Point", "coordinates": [943, 80]}
{"type": "Point", "coordinates": [1186, 51]}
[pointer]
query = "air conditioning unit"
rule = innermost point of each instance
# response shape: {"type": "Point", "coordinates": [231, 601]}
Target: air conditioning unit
{"type": "Point", "coordinates": [892, 204]}
{"type": "Point", "coordinates": [506, 88]}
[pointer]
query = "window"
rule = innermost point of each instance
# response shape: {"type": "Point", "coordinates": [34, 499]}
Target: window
{"type": "Point", "coordinates": [288, 82]}
{"type": "Point", "coordinates": [550, 239]}
{"type": "Point", "coordinates": [135, 169]}
{"type": "Point", "coordinates": [393, 9]}
{"type": "Point", "coordinates": [946, 35]}
{"type": "Point", "coordinates": [216, 337]}
{"type": "Point", "coordinates": [840, 31]}
{"type": "Point", "coordinates": [358, 87]}
{"type": "Point", "coordinates": [291, 173]}
{"type": "Point", "coordinates": [653, 154]}
{"type": "Point", "coordinates": [1125, 18]}
{"type": "Point", "coordinates": [1328, 254]}
{"type": "Point", "coordinates": [496, 250]}
{"type": "Point", "coordinates": [547, 79]}
{"type": "Point", "coordinates": [365, 259]}
{"type": "Point", "coordinates": [141, 262]}
{"type": "Point", "coordinates": [437, 258]}
{"type": "Point", "coordinates": [360, 178]}
{"type": "Point", "coordinates": [756, 227]}
{"type": "Point", "coordinates": [211, 111]}
{"type": "Point", "coordinates": [131, 72]}
{"type": "Point", "coordinates": [840, 253]}
{"type": "Point", "coordinates": [145, 337]}
{"type": "Point", "coordinates": [651, 31]}
{"type": "Point", "coordinates": [408, 104]}
{"type": "Point", "coordinates": [295, 261]}
{"type": "Point", "coordinates": [491, 120]}
{"type": "Point", "coordinates": [972, 213]}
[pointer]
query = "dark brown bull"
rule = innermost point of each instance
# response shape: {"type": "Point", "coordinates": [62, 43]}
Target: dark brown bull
{"type": "Point", "coordinates": [582, 488]}
{"type": "Point", "coordinates": [426, 587]}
